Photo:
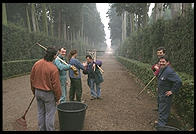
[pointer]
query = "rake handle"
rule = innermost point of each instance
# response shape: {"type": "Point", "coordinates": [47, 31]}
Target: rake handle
{"type": "Point", "coordinates": [146, 85]}
{"type": "Point", "coordinates": [28, 107]}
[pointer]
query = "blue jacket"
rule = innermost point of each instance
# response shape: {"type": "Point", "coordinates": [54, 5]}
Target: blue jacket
{"type": "Point", "coordinates": [94, 74]}
{"type": "Point", "coordinates": [61, 67]}
{"type": "Point", "coordinates": [168, 80]}
{"type": "Point", "coordinates": [78, 65]}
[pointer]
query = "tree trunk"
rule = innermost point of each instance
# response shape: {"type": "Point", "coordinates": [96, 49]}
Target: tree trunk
{"type": "Point", "coordinates": [154, 13]}
{"type": "Point", "coordinates": [175, 10]}
{"type": "Point", "coordinates": [33, 16]}
{"type": "Point", "coordinates": [159, 9]}
{"type": "Point", "coordinates": [124, 32]}
{"type": "Point", "coordinates": [59, 25]}
{"type": "Point", "coordinates": [37, 24]}
{"type": "Point", "coordinates": [44, 16]}
{"type": "Point", "coordinates": [145, 15]}
{"type": "Point", "coordinates": [28, 21]}
{"type": "Point", "coordinates": [51, 25]}
{"type": "Point", "coordinates": [4, 14]}
{"type": "Point", "coordinates": [185, 7]}
{"type": "Point", "coordinates": [65, 32]}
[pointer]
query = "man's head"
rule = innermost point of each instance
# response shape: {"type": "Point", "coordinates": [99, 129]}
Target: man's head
{"type": "Point", "coordinates": [62, 51]}
{"type": "Point", "coordinates": [163, 61]}
{"type": "Point", "coordinates": [89, 59]}
{"type": "Point", "coordinates": [51, 53]}
{"type": "Point", "coordinates": [161, 51]}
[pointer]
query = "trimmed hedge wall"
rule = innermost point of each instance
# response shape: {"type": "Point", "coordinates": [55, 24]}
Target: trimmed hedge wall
{"type": "Point", "coordinates": [18, 67]}
{"type": "Point", "coordinates": [183, 101]}
{"type": "Point", "coordinates": [176, 35]}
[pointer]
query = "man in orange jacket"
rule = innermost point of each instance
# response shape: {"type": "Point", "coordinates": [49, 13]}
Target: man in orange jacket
{"type": "Point", "coordinates": [46, 87]}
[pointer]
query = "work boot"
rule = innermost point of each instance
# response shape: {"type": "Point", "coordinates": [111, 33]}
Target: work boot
{"type": "Point", "coordinates": [92, 98]}
{"type": "Point", "coordinates": [99, 98]}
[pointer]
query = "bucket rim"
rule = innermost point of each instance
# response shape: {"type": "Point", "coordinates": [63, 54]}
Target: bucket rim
{"type": "Point", "coordinates": [71, 111]}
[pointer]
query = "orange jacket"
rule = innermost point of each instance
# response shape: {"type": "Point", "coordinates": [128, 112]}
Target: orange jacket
{"type": "Point", "coordinates": [45, 76]}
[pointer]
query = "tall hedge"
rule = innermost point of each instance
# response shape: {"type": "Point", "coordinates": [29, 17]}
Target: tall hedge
{"type": "Point", "coordinates": [184, 100]}
{"type": "Point", "coordinates": [18, 44]}
{"type": "Point", "coordinates": [176, 35]}
{"type": "Point", "coordinates": [20, 52]}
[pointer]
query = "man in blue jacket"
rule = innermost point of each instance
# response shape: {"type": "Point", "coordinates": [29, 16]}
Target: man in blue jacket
{"type": "Point", "coordinates": [94, 77]}
{"type": "Point", "coordinates": [168, 84]}
{"type": "Point", "coordinates": [62, 71]}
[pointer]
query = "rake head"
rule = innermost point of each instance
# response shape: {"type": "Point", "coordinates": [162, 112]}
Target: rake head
{"type": "Point", "coordinates": [21, 124]}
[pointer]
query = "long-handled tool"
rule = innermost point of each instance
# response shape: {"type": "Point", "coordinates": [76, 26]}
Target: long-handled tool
{"type": "Point", "coordinates": [146, 86]}
{"type": "Point", "coordinates": [72, 67]}
{"type": "Point", "coordinates": [21, 122]}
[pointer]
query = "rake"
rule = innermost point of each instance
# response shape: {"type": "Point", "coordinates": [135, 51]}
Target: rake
{"type": "Point", "coordinates": [21, 122]}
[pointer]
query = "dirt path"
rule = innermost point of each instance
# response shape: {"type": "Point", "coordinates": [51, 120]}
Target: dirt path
{"type": "Point", "coordinates": [118, 110]}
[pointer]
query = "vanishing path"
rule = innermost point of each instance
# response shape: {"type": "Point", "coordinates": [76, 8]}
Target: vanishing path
{"type": "Point", "coordinates": [118, 110]}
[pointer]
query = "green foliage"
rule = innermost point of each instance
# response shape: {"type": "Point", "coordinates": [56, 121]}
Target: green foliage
{"type": "Point", "coordinates": [20, 52]}
{"type": "Point", "coordinates": [184, 100]}
{"type": "Point", "coordinates": [176, 35]}
{"type": "Point", "coordinates": [17, 67]}
{"type": "Point", "coordinates": [18, 44]}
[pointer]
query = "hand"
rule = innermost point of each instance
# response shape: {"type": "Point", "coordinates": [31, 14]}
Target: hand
{"type": "Point", "coordinates": [168, 93]}
{"type": "Point", "coordinates": [67, 83]}
{"type": "Point", "coordinates": [93, 66]}
{"type": "Point", "coordinates": [156, 67]}
{"type": "Point", "coordinates": [58, 102]}
{"type": "Point", "coordinates": [84, 64]}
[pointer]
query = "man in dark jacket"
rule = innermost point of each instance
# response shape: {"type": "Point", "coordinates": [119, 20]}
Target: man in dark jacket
{"type": "Point", "coordinates": [94, 77]}
{"type": "Point", "coordinates": [168, 84]}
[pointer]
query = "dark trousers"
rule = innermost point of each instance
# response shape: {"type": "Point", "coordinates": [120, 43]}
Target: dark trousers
{"type": "Point", "coordinates": [164, 106]}
{"type": "Point", "coordinates": [75, 89]}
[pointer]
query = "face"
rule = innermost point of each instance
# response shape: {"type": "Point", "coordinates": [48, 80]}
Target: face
{"type": "Point", "coordinates": [62, 52]}
{"type": "Point", "coordinates": [160, 53]}
{"type": "Point", "coordinates": [88, 60]}
{"type": "Point", "coordinates": [163, 63]}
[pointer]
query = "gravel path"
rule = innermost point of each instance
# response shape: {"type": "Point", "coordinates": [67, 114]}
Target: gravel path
{"type": "Point", "coordinates": [119, 110]}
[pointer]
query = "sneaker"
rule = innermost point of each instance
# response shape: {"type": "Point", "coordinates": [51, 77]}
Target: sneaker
{"type": "Point", "coordinates": [155, 123]}
{"type": "Point", "coordinates": [82, 101]}
{"type": "Point", "coordinates": [156, 109]}
{"type": "Point", "coordinates": [92, 98]}
{"type": "Point", "coordinates": [99, 98]}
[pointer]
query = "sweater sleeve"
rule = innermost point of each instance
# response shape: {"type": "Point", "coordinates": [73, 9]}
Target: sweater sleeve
{"type": "Point", "coordinates": [79, 65]}
{"type": "Point", "coordinates": [61, 66]}
{"type": "Point", "coordinates": [56, 85]}
{"type": "Point", "coordinates": [176, 81]}
{"type": "Point", "coordinates": [32, 78]}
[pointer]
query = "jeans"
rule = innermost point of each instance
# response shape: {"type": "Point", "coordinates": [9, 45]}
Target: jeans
{"type": "Point", "coordinates": [63, 90]}
{"type": "Point", "coordinates": [46, 106]}
{"type": "Point", "coordinates": [92, 84]}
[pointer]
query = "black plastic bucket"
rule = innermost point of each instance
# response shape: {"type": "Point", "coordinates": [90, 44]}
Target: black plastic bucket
{"type": "Point", "coordinates": [71, 115]}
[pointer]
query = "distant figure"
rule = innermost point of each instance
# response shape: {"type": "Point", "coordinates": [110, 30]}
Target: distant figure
{"type": "Point", "coordinates": [62, 70]}
{"type": "Point", "coordinates": [94, 77]}
{"type": "Point", "coordinates": [168, 84]}
{"type": "Point", "coordinates": [76, 83]}
{"type": "Point", "coordinates": [45, 85]}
